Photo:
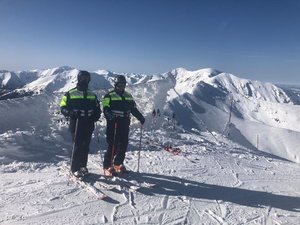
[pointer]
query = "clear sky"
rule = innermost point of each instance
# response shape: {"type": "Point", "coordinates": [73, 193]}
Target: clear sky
{"type": "Point", "coordinates": [255, 39]}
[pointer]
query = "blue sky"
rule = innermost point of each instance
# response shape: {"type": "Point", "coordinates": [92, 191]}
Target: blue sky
{"type": "Point", "coordinates": [255, 39]}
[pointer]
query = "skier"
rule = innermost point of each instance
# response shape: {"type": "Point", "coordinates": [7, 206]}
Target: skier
{"type": "Point", "coordinates": [154, 117]}
{"type": "Point", "coordinates": [118, 105]}
{"type": "Point", "coordinates": [173, 119]}
{"type": "Point", "coordinates": [82, 107]}
{"type": "Point", "coordinates": [154, 113]}
{"type": "Point", "coordinates": [158, 112]}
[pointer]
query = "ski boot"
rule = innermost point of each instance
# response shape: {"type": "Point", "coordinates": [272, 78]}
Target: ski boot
{"type": "Point", "coordinates": [84, 171]}
{"type": "Point", "coordinates": [109, 172]}
{"type": "Point", "coordinates": [78, 174]}
{"type": "Point", "coordinates": [120, 169]}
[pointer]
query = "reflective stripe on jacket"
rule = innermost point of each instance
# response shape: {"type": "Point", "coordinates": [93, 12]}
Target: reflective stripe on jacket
{"type": "Point", "coordinates": [113, 96]}
{"type": "Point", "coordinates": [76, 94]}
{"type": "Point", "coordinates": [84, 101]}
{"type": "Point", "coordinates": [120, 105]}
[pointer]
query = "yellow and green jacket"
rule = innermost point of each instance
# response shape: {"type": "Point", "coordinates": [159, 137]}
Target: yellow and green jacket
{"type": "Point", "coordinates": [120, 105]}
{"type": "Point", "coordinates": [85, 102]}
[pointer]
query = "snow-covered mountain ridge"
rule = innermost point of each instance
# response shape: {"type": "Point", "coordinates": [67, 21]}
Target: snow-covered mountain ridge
{"type": "Point", "coordinates": [228, 84]}
{"type": "Point", "coordinates": [214, 100]}
{"type": "Point", "coordinates": [217, 177]}
{"type": "Point", "coordinates": [63, 78]}
{"type": "Point", "coordinates": [56, 79]}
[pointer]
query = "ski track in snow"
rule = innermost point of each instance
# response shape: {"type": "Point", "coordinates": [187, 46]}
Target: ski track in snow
{"type": "Point", "coordinates": [128, 211]}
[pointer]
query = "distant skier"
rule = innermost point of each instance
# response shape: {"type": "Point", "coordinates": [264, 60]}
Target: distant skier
{"type": "Point", "coordinates": [154, 113]}
{"type": "Point", "coordinates": [173, 120]}
{"type": "Point", "coordinates": [118, 104]}
{"type": "Point", "coordinates": [83, 108]}
{"type": "Point", "coordinates": [154, 117]}
{"type": "Point", "coordinates": [158, 112]}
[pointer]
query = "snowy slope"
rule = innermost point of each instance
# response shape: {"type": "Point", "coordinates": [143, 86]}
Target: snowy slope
{"type": "Point", "coordinates": [212, 181]}
{"type": "Point", "coordinates": [9, 80]}
{"type": "Point", "coordinates": [219, 177]}
{"type": "Point", "coordinates": [206, 95]}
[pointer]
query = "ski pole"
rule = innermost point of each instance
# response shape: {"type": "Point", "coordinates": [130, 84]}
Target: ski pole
{"type": "Point", "coordinates": [114, 144]}
{"type": "Point", "coordinates": [98, 139]}
{"type": "Point", "coordinates": [74, 143]}
{"type": "Point", "coordinates": [140, 148]}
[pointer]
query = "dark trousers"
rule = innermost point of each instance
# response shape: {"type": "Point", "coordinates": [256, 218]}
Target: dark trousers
{"type": "Point", "coordinates": [117, 142]}
{"type": "Point", "coordinates": [81, 141]}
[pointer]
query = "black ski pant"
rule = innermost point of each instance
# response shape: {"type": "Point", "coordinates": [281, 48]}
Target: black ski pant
{"type": "Point", "coordinates": [81, 141]}
{"type": "Point", "coordinates": [117, 141]}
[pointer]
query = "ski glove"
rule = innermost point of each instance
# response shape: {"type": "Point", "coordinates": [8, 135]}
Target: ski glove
{"type": "Point", "coordinates": [70, 113]}
{"type": "Point", "coordinates": [65, 112]}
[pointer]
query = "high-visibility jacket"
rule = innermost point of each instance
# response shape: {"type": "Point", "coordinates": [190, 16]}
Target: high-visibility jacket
{"type": "Point", "coordinates": [85, 102]}
{"type": "Point", "coordinates": [120, 105]}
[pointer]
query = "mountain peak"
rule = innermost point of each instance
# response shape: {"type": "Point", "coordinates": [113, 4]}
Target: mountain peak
{"type": "Point", "coordinates": [205, 72]}
{"type": "Point", "coordinates": [187, 80]}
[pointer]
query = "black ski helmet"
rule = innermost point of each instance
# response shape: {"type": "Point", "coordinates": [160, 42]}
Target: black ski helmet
{"type": "Point", "coordinates": [120, 79]}
{"type": "Point", "coordinates": [83, 75]}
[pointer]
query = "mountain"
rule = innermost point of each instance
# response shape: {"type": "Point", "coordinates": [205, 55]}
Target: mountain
{"type": "Point", "coordinates": [58, 79]}
{"type": "Point", "coordinates": [231, 168]}
{"type": "Point", "coordinates": [9, 80]}
{"type": "Point", "coordinates": [260, 113]}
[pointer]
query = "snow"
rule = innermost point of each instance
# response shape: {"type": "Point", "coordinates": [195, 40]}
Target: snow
{"type": "Point", "coordinates": [245, 171]}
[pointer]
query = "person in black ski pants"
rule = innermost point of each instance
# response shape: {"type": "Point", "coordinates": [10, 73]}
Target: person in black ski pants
{"type": "Point", "coordinates": [118, 105]}
{"type": "Point", "coordinates": [82, 107]}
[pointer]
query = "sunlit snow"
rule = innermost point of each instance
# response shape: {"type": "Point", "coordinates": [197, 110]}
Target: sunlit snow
{"type": "Point", "coordinates": [238, 168]}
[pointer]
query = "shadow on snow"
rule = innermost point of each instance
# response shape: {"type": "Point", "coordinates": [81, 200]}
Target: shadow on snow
{"type": "Point", "coordinates": [174, 186]}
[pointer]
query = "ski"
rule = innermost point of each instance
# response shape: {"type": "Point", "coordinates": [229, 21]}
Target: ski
{"type": "Point", "coordinates": [119, 178]}
{"type": "Point", "coordinates": [132, 182]}
{"type": "Point", "coordinates": [125, 183]}
{"type": "Point", "coordinates": [84, 184]}
{"type": "Point", "coordinates": [142, 184]}
{"type": "Point", "coordinates": [110, 187]}
{"type": "Point", "coordinates": [100, 195]}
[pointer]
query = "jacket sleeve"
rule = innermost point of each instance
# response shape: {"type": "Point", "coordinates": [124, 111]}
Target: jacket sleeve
{"type": "Point", "coordinates": [106, 106]}
{"type": "Point", "coordinates": [136, 113]}
{"type": "Point", "coordinates": [64, 105]}
{"type": "Point", "coordinates": [97, 110]}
